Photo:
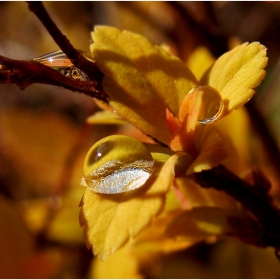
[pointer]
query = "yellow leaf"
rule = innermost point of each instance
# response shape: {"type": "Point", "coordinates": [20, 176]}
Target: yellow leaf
{"type": "Point", "coordinates": [141, 79]}
{"type": "Point", "coordinates": [236, 73]}
{"type": "Point", "coordinates": [110, 220]}
{"type": "Point", "coordinates": [212, 151]}
{"type": "Point", "coordinates": [123, 264]}
{"type": "Point", "coordinates": [35, 214]}
{"type": "Point", "coordinates": [153, 240]}
{"type": "Point", "coordinates": [105, 117]}
{"type": "Point", "coordinates": [199, 61]}
{"type": "Point", "coordinates": [196, 196]}
{"type": "Point", "coordinates": [200, 223]}
{"type": "Point", "coordinates": [159, 153]}
{"type": "Point", "coordinates": [235, 129]}
{"type": "Point", "coordinates": [64, 227]}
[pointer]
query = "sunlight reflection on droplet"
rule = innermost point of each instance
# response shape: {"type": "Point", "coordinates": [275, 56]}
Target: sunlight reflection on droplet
{"type": "Point", "coordinates": [212, 104]}
{"type": "Point", "coordinates": [117, 164]}
{"type": "Point", "coordinates": [60, 62]}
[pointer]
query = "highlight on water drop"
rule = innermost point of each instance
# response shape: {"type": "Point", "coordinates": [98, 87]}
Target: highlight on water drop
{"type": "Point", "coordinates": [117, 164]}
{"type": "Point", "coordinates": [61, 63]}
{"type": "Point", "coordinates": [212, 104]}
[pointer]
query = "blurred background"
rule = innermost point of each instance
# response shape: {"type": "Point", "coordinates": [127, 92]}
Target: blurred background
{"type": "Point", "coordinates": [44, 137]}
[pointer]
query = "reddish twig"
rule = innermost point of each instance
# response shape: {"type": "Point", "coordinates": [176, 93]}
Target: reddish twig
{"type": "Point", "coordinates": [76, 57]}
{"type": "Point", "coordinates": [24, 73]}
{"type": "Point", "coordinates": [255, 199]}
{"type": "Point", "coordinates": [259, 124]}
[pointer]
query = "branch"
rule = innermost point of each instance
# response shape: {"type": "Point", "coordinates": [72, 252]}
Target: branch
{"type": "Point", "coordinates": [259, 124]}
{"type": "Point", "coordinates": [24, 73]}
{"type": "Point", "coordinates": [76, 57]}
{"type": "Point", "coordinates": [266, 217]}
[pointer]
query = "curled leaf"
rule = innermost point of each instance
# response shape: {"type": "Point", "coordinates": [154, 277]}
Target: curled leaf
{"type": "Point", "coordinates": [154, 238]}
{"type": "Point", "coordinates": [123, 264]}
{"type": "Point", "coordinates": [183, 136]}
{"type": "Point", "coordinates": [200, 223]}
{"type": "Point", "coordinates": [191, 195]}
{"type": "Point", "coordinates": [199, 61]}
{"type": "Point", "coordinates": [212, 151]}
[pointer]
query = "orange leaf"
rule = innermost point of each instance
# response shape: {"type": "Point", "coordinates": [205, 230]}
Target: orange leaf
{"type": "Point", "coordinates": [183, 138]}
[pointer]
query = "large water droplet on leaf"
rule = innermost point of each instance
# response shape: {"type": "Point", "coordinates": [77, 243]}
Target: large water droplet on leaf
{"type": "Point", "coordinates": [211, 106]}
{"type": "Point", "coordinates": [117, 164]}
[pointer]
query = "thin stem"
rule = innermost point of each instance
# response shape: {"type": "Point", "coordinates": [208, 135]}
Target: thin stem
{"type": "Point", "coordinates": [76, 57]}
{"type": "Point", "coordinates": [253, 198]}
{"type": "Point", "coordinates": [24, 73]}
{"type": "Point", "coordinates": [261, 127]}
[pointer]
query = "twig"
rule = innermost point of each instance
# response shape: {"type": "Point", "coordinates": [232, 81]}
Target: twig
{"type": "Point", "coordinates": [24, 73]}
{"type": "Point", "coordinates": [76, 57]}
{"type": "Point", "coordinates": [260, 125]}
{"type": "Point", "coordinates": [258, 203]}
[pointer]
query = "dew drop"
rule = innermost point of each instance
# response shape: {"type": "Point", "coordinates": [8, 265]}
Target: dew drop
{"type": "Point", "coordinates": [117, 164]}
{"type": "Point", "coordinates": [60, 62]}
{"type": "Point", "coordinates": [56, 60]}
{"type": "Point", "coordinates": [212, 104]}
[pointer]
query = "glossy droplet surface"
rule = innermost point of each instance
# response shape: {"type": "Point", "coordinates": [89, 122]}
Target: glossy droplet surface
{"type": "Point", "coordinates": [117, 164]}
{"type": "Point", "coordinates": [211, 106]}
{"type": "Point", "coordinates": [60, 62]}
{"type": "Point", "coordinates": [56, 59]}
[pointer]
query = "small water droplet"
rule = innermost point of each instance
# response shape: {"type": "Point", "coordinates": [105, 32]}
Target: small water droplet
{"type": "Point", "coordinates": [212, 104]}
{"type": "Point", "coordinates": [60, 62]}
{"type": "Point", "coordinates": [56, 60]}
{"type": "Point", "coordinates": [117, 164]}
{"type": "Point", "coordinates": [73, 73]}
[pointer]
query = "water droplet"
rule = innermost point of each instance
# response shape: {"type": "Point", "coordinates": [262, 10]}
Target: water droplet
{"type": "Point", "coordinates": [60, 62]}
{"type": "Point", "coordinates": [74, 73]}
{"type": "Point", "coordinates": [56, 60]}
{"type": "Point", "coordinates": [117, 164]}
{"type": "Point", "coordinates": [212, 104]}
